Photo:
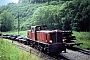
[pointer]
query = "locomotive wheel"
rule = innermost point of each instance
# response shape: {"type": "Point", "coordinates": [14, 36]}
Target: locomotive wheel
{"type": "Point", "coordinates": [46, 50]}
{"type": "Point", "coordinates": [30, 43]}
{"type": "Point", "coordinates": [33, 44]}
{"type": "Point", "coordinates": [38, 47]}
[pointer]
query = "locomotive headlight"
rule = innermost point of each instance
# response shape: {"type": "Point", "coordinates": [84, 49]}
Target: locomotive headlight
{"type": "Point", "coordinates": [50, 41]}
{"type": "Point", "coordinates": [64, 40]}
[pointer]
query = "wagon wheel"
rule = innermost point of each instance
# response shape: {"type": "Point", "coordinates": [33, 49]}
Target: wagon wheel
{"type": "Point", "coordinates": [32, 44]}
{"type": "Point", "coordinates": [27, 42]}
{"type": "Point", "coordinates": [36, 47]}
{"type": "Point", "coordinates": [40, 48]}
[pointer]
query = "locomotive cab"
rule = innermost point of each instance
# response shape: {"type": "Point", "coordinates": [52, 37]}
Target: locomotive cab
{"type": "Point", "coordinates": [38, 28]}
{"type": "Point", "coordinates": [33, 31]}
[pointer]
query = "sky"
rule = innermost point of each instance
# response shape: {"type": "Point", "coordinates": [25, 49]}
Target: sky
{"type": "Point", "coordinates": [4, 2]}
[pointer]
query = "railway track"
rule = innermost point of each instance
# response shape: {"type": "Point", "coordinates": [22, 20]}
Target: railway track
{"type": "Point", "coordinates": [84, 51]}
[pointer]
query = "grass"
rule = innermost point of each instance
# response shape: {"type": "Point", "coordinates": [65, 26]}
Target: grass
{"type": "Point", "coordinates": [83, 37]}
{"type": "Point", "coordinates": [9, 51]}
{"type": "Point", "coordinates": [23, 33]}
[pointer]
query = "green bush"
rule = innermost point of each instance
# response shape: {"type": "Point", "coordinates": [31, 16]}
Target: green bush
{"type": "Point", "coordinates": [83, 37]}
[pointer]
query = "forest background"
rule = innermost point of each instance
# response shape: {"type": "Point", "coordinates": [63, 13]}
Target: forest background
{"type": "Point", "coordinates": [56, 14]}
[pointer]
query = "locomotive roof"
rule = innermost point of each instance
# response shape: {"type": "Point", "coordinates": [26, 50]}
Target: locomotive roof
{"type": "Point", "coordinates": [39, 26]}
{"type": "Point", "coordinates": [49, 31]}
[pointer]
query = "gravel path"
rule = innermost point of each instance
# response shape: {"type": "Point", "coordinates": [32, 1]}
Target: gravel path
{"type": "Point", "coordinates": [74, 55]}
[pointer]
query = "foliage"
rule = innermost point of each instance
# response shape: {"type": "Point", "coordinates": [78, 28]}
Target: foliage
{"type": "Point", "coordinates": [6, 21]}
{"type": "Point", "coordinates": [47, 15]}
{"type": "Point", "coordinates": [25, 13]}
{"type": "Point", "coordinates": [57, 14]}
{"type": "Point", "coordinates": [83, 37]}
{"type": "Point", "coordinates": [70, 15]}
{"type": "Point", "coordinates": [82, 17]}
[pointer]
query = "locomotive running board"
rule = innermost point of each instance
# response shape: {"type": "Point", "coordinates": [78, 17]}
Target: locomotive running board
{"type": "Point", "coordinates": [73, 43]}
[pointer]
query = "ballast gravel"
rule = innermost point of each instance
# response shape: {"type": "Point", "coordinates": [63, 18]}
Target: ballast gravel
{"type": "Point", "coordinates": [75, 55]}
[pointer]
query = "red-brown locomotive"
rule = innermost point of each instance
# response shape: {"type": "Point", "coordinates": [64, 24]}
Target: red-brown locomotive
{"type": "Point", "coordinates": [49, 41]}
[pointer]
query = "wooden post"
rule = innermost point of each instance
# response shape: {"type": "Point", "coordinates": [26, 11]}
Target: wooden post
{"type": "Point", "coordinates": [30, 51]}
{"type": "Point", "coordinates": [12, 41]}
{"type": "Point", "coordinates": [18, 23]}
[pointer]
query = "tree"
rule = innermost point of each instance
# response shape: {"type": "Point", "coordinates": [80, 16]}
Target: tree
{"type": "Point", "coordinates": [6, 21]}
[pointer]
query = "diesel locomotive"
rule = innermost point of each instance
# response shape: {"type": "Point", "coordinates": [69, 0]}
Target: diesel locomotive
{"type": "Point", "coordinates": [49, 41]}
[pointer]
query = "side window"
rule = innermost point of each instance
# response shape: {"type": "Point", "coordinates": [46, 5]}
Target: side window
{"type": "Point", "coordinates": [32, 30]}
{"type": "Point", "coordinates": [38, 29]}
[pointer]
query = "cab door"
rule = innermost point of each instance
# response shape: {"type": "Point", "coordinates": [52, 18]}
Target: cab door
{"type": "Point", "coordinates": [33, 35]}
